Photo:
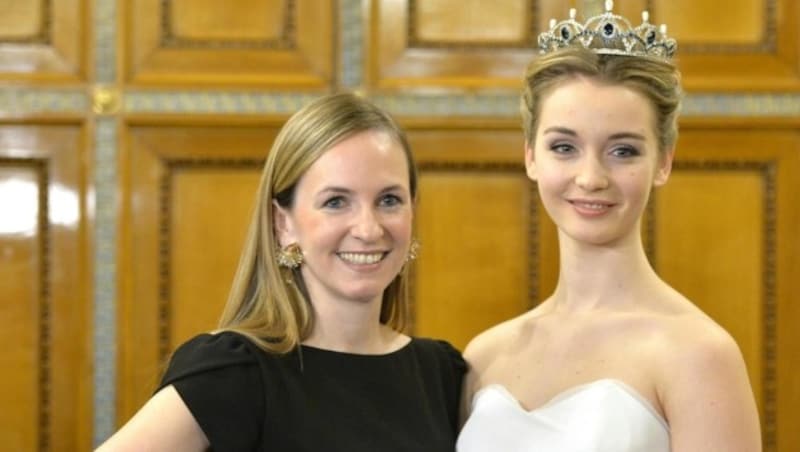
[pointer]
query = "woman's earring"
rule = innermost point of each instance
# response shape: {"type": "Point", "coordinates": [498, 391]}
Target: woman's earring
{"type": "Point", "coordinates": [413, 250]}
{"type": "Point", "coordinates": [290, 256]}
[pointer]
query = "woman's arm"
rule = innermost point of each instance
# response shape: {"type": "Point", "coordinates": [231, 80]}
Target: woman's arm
{"type": "Point", "coordinates": [707, 398]}
{"type": "Point", "coordinates": [164, 423]}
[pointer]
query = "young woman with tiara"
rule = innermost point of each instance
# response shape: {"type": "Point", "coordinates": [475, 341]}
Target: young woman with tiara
{"type": "Point", "coordinates": [615, 359]}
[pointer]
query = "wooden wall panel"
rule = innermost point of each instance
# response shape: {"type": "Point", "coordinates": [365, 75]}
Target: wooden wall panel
{"type": "Point", "coordinates": [717, 227]}
{"type": "Point", "coordinates": [694, 212]}
{"type": "Point", "coordinates": [187, 196]}
{"type": "Point", "coordinates": [21, 285]}
{"type": "Point", "coordinates": [482, 45]}
{"type": "Point", "coordinates": [475, 263]}
{"type": "Point", "coordinates": [262, 43]}
{"type": "Point", "coordinates": [43, 41]}
{"type": "Point", "coordinates": [477, 222]}
{"type": "Point", "coordinates": [754, 46]}
{"type": "Point", "coordinates": [413, 45]}
{"type": "Point", "coordinates": [457, 21]}
{"type": "Point", "coordinates": [43, 284]}
{"type": "Point", "coordinates": [210, 208]}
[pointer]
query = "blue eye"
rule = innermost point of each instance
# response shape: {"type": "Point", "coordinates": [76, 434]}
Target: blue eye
{"type": "Point", "coordinates": [334, 203]}
{"type": "Point", "coordinates": [625, 151]}
{"type": "Point", "coordinates": [390, 201]}
{"type": "Point", "coordinates": [562, 148]}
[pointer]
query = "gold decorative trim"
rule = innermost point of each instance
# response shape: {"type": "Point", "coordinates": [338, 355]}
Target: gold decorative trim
{"type": "Point", "coordinates": [104, 279]}
{"type": "Point", "coordinates": [497, 104]}
{"type": "Point", "coordinates": [286, 41]}
{"type": "Point", "coordinates": [44, 312]}
{"type": "Point", "coordinates": [106, 100]}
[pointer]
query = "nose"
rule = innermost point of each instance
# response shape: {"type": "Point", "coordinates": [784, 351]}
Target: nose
{"type": "Point", "coordinates": [367, 226]}
{"type": "Point", "coordinates": [592, 174]}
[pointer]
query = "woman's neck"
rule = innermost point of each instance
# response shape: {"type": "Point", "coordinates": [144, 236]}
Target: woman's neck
{"type": "Point", "coordinates": [352, 327]}
{"type": "Point", "coordinates": [598, 276]}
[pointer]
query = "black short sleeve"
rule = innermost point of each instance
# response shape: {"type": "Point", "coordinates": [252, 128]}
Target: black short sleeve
{"type": "Point", "coordinates": [452, 376]}
{"type": "Point", "coordinates": [218, 378]}
{"type": "Point", "coordinates": [453, 356]}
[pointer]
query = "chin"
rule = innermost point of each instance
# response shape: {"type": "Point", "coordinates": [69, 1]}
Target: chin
{"type": "Point", "coordinates": [597, 238]}
{"type": "Point", "coordinates": [365, 294]}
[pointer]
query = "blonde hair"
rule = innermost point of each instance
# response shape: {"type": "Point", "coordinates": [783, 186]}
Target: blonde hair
{"type": "Point", "coordinates": [267, 303]}
{"type": "Point", "coordinates": [658, 80]}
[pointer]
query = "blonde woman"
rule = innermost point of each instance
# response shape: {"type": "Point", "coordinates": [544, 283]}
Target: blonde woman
{"type": "Point", "coordinates": [309, 355]}
{"type": "Point", "coordinates": [615, 360]}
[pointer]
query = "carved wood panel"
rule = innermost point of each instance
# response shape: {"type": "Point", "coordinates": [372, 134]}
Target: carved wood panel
{"type": "Point", "coordinates": [187, 196]}
{"type": "Point", "coordinates": [43, 285]}
{"type": "Point", "coordinates": [253, 43]}
{"type": "Point", "coordinates": [477, 220]}
{"type": "Point", "coordinates": [43, 41]}
{"type": "Point", "coordinates": [716, 227]}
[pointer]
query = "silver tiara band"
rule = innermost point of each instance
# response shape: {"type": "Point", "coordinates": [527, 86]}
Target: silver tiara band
{"type": "Point", "coordinates": [609, 33]}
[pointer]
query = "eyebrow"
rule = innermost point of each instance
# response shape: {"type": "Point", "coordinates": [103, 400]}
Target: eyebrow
{"type": "Point", "coordinates": [632, 135]}
{"type": "Point", "coordinates": [616, 136]}
{"type": "Point", "coordinates": [563, 130]}
{"type": "Point", "coordinates": [345, 191]}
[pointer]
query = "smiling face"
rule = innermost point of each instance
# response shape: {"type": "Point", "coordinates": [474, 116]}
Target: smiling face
{"type": "Point", "coordinates": [595, 158]}
{"type": "Point", "coordinates": [352, 217]}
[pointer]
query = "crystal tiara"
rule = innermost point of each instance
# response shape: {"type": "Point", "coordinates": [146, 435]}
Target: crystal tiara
{"type": "Point", "coordinates": [609, 33]}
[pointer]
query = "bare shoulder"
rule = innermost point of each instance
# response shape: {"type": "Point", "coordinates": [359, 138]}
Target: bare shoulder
{"type": "Point", "coordinates": [488, 345]}
{"type": "Point", "coordinates": [704, 387]}
{"type": "Point", "coordinates": [699, 345]}
{"type": "Point", "coordinates": [482, 352]}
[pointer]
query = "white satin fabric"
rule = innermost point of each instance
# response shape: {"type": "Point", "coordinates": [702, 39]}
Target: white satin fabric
{"type": "Point", "coordinates": [603, 416]}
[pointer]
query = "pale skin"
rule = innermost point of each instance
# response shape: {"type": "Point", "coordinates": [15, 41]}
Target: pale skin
{"type": "Point", "coordinates": [352, 217]}
{"type": "Point", "coordinates": [611, 316]}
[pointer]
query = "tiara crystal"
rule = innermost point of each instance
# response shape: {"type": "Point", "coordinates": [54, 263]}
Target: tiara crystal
{"type": "Point", "coordinates": [609, 33]}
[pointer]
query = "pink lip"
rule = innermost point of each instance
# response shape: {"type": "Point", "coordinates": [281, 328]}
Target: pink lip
{"type": "Point", "coordinates": [590, 208]}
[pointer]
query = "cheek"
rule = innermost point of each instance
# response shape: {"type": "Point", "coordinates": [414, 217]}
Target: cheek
{"type": "Point", "coordinates": [400, 225]}
{"type": "Point", "coordinates": [311, 225]}
{"type": "Point", "coordinates": [548, 182]}
{"type": "Point", "coordinates": [638, 182]}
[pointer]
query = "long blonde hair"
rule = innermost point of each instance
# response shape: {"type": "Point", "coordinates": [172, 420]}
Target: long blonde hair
{"type": "Point", "coordinates": [267, 303]}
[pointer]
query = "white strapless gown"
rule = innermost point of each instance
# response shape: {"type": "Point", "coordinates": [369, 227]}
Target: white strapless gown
{"type": "Point", "coordinates": [602, 416]}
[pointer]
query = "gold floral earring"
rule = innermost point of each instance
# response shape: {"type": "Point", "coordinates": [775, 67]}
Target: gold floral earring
{"type": "Point", "coordinates": [290, 256]}
{"type": "Point", "coordinates": [413, 250]}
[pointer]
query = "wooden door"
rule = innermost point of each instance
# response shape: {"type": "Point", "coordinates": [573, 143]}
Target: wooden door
{"type": "Point", "coordinates": [45, 241]}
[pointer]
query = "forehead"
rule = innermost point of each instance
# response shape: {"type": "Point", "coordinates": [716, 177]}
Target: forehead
{"type": "Point", "coordinates": [366, 158]}
{"type": "Point", "coordinates": [588, 103]}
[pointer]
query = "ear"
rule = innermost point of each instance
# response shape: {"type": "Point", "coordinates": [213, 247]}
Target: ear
{"type": "Point", "coordinates": [282, 222]}
{"type": "Point", "coordinates": [664, 168]}
{"type": "Point", "coordinates": [530, 162]}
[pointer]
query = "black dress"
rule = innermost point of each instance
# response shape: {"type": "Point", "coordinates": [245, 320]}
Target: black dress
{"type": "Point", "coordinates": [246, 399]}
